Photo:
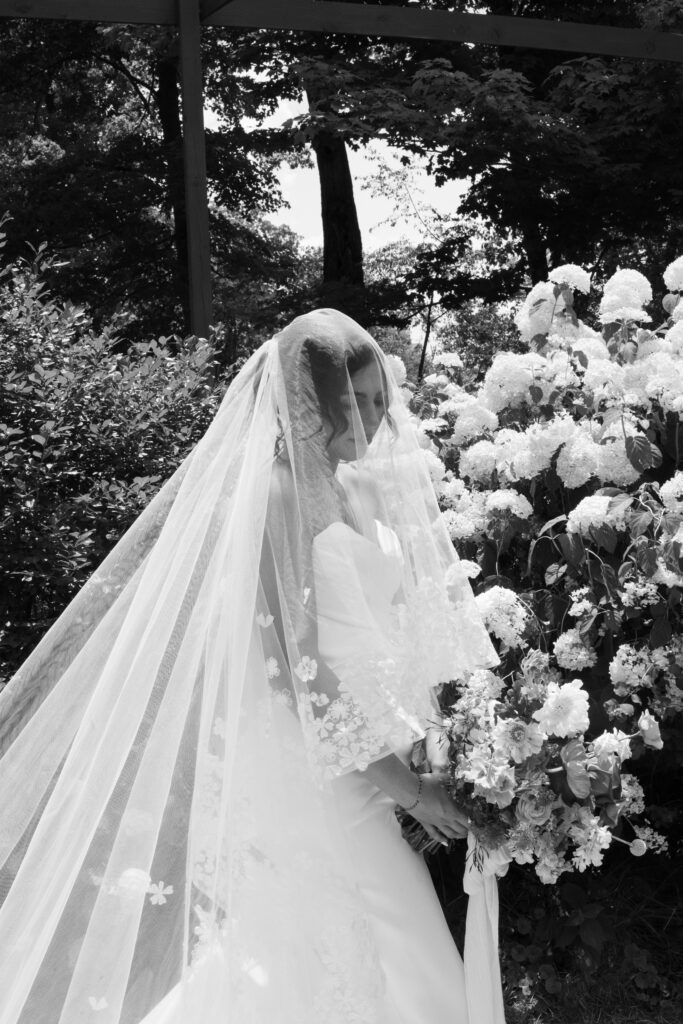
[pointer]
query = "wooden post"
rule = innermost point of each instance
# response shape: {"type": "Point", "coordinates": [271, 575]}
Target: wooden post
{"type": "Point", "coordinates": [196, 191]}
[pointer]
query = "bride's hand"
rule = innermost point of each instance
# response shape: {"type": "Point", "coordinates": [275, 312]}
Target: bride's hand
{"type": "Point", "coordinates": [441, 818]}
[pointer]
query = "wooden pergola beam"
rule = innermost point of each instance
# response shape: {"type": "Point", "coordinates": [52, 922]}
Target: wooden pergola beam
{"type": "Point", "coordinates": [372, 20]}
{"type": "Point", "coordinates": [194, 152]}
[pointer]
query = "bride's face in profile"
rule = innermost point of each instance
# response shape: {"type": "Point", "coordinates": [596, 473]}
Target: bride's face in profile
{"type": "Point", "coordinates": [371, 401]}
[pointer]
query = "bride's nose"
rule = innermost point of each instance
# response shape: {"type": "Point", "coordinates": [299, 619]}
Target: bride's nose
{"type": "Point", "coordinates": [371, 420]}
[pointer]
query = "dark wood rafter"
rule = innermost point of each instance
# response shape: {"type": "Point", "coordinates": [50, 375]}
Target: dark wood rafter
{"type": "Point", "coordinates": [332, 16]}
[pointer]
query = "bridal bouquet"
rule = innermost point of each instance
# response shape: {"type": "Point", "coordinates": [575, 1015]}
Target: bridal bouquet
{"type": "Point", "coordinates": [516, 759]}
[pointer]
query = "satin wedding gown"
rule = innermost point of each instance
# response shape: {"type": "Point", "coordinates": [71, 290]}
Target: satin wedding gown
{"type": "Point", "coordinates": [420, 977]}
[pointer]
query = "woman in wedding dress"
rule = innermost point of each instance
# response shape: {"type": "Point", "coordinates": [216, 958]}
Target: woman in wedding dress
{"type": "Point", "coordinates": [203, 757]}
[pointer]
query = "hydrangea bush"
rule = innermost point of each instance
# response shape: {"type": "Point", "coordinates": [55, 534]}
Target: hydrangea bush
{"type": "Point", "coordinates": [559, 483]}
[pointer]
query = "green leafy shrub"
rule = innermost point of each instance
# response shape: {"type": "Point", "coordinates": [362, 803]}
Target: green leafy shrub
{"type": "Point", "coordinates": [87, 435]}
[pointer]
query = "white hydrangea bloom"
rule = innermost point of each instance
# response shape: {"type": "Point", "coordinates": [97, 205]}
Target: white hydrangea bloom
{"type": "Point", "coordinates": [451, 360]}
{"type": "Point", "coordinates": [675, 338]}
{"type": "Point", "coordinates": [540, 307]}
{"type": "Point", "coordinates": [673, 275]}
{"type": "Point", "coordinates": [435, 466]}
{"type": "Point", "coordinates": [574, 276]}
{"type": "Point", "coordinates": [398, 369]}
{"type": "Point", "coordinates": [594, 511]}
{"type": "Point", "coordinates": [671, 492]}
{"type": "Point", "coordinates": [614, 466]}
{"type": "Point", "coordinates": [605, 377]}
{"type": "Point", "coordinates": [578, 460]}
{"type": "Point", "coordinates": [471, 569]}
{"type": "Point", "coordinates": [504, 615]}
{"type": "Point", "coordinates": [509, 501]}
{"type": "Point", "coordinates": [631, 282]}
{"type": "Point", "coordinates": [572, 653]}
{"type": "Point", "coordinates": [509, 378]}
{"type": "Point", "coordinates": [452, 490]}
{"type": "Point", "coordinates": [473, 419]}
{"type": "Point", "coordinates": [478, 461]}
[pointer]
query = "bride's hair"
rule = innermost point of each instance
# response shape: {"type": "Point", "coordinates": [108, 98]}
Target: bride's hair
{"type": "Point", "coordinates": [331, 366]}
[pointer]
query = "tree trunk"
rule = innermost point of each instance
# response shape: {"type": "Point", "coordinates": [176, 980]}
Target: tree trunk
{"type": "Point", "coordinates": [342, 244]}
{"type": "Point", "coordinates": [168, 104]}
{"type": "Point", "coordinates": [535, 250]}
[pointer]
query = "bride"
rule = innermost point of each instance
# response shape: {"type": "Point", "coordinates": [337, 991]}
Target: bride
{"type": "Point", "coordinates": [202, 758]}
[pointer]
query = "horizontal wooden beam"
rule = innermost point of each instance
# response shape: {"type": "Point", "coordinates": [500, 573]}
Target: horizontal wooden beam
{"type": "Point", "coordinates": [415, 23]}
{"type": "Point", "coordinates": [372, 20]}
{"type": "Point", "coordinates": [140, 12]}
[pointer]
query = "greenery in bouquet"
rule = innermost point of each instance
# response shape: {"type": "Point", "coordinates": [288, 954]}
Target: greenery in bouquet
{"type": "Point", "coordinates": [560, 484]}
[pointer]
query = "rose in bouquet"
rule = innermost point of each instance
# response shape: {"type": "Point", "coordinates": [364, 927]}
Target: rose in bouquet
{"type": "Point", "coordinates": [517, 760]}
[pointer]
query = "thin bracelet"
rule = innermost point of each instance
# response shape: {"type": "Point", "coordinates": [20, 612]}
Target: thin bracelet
{"type": "Point", "coordinates": [419, 794]}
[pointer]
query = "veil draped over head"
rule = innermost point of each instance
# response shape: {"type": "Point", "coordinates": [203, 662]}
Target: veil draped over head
{"type": "Point", "coordinates": [278, 616]}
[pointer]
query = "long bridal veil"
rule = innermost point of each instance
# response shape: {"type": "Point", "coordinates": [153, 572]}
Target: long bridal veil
{"type": "Point", "coordinates": [169, 850]}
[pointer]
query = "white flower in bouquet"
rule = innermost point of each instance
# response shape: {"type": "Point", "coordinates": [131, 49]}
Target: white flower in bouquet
{"type": "Point", "coordinates": [572, 653]}
{"type": "Point", "coordinates": [508, 501]}
{"type": "Point", "coordinates": [537, 673]}
{"type": "Point", "coordinates": [550, 862]}
{"type": "Point", "coordinates": [673, 275]}
{"type": "Point", "coordinates": [591, 841]}
{"type": "Point", "coordinates": [493, 777]}
{"type": "Point", "coordinates": [677, 313]}
{"type": "Point", "coordinates": [648, 727]}
{"type": "Point", "coordinates": [504, 615]}
{"type": "Point", "coordinates": [478, 462]}
{"type": "Point", "coordinates": [449, 360]}
{"type": "Point", "coordinates": [671, 492]}
{"type": "Point", "coordinates": [594, 511]}
{"type": "Point", "coordinates": [398, 369]}
{"type": "Point", "coordinates": [654, 841]}
{"type": "Point", "coordinates": [632, 794]}
{"type": "Point", "coordinates": [573, 276]}
{"type": "Point", "coordinates": [516, 739]}
{"type": "Point", "coordinates": [509, 378]}
{"type": "Point", "coordinates": [540, 307]}
{"type": "Point", "coordinates": [578, 460]}
{"type": "Point", "coordinates": [482, 687]}
{"type": "Point", "coordinates": [614, 742]}
{"type": "Point", "coordinates": [565, 709]}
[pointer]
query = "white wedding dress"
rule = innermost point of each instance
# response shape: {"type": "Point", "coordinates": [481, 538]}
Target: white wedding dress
{"type": "Point", "coordinates": [420, 972]}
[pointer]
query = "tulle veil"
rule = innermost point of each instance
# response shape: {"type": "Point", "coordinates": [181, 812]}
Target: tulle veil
{"type": "Point", "coordinates": [169, 850]}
